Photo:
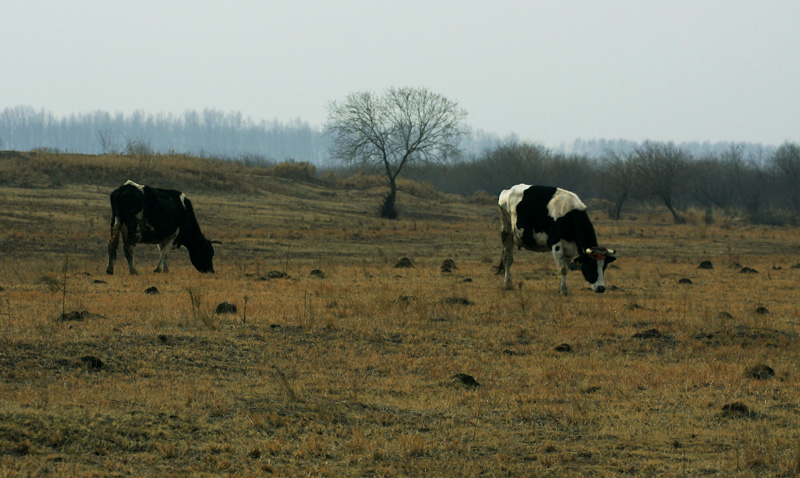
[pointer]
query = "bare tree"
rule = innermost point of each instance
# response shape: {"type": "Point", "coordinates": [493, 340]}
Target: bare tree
{"type": "Point", "coordinates": [718, 180]}
{"type": "Point", "coordinates": [140, 149]}
{"type": "Point", "coordinates": [618, 179]}
{"type": "Point", "coordinates": [786, 163]}
{"type": "Point", "coordinates": [404, 126]}
{"type": "Point", "coordinates": [107, 142]}
{"type": "Point", "coordinates": [662, 170]}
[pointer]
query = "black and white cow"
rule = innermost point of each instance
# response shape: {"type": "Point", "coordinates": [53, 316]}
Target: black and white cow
{"type": "Point", "coordinates": [142, 214]}
{"type": "Point", "coordinates": [544, 218]}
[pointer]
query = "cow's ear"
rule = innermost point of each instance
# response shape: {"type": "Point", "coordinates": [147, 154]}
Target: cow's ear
{"type": "Point", "coordinates": [610, 259]}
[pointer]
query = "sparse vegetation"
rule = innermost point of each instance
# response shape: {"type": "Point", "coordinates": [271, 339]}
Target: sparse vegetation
{"type": "Point", "coordinates": [352, 373]}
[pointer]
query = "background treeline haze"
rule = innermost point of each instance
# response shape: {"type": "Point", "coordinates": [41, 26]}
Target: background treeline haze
{"type": "Point", "coordinates": [209, 133]}
{"type": "Point", "coordinates": [753, 181]}
{"type": "Point", "coordinates": [750, 181]}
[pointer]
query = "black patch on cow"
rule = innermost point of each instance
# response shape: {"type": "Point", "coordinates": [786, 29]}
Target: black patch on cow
{"type": "Point", "coordinates": [532, 216]}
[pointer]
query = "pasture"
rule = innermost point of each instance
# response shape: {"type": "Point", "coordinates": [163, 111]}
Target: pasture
{"type": "Point", "coordinates": [352, 370]}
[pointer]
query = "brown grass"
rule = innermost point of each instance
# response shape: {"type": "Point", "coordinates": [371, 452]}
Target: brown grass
{"type": "Point", "coordinates": [350, 374]}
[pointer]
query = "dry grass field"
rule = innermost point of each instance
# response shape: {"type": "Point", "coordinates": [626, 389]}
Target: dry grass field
{"type": "Point", "coordinates": [349, 371]}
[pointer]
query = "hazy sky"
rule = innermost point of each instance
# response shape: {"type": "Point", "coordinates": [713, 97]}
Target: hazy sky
{"type": "Point", "coordinates": [549, 71]}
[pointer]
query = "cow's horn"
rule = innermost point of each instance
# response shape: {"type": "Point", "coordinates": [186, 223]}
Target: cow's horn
{"type": "Point", "coordinates": [589, 250]}
{"type": "Point", "coordinates": [611, 251]}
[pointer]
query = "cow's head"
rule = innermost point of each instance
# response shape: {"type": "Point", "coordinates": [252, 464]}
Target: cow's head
{"type": "Point", "coordinates": [202, 255]}
{"type": "Point", "coordinates": [593, 262]}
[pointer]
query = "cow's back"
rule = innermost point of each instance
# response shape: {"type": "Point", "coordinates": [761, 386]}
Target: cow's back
{"type": "Point", "coordinates": [126, 202]}
{"type": "Point", "coordinates": [527, 206]}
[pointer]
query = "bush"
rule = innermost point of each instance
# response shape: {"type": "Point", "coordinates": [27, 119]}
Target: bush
{"type": "Point", "coordinates": [298, 171]}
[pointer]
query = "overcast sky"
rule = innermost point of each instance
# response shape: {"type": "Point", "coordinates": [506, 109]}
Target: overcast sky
{"type": "Point", "coordinates": [548, 71]}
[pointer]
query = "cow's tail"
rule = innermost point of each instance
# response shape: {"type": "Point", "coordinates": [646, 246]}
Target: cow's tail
{"type": "Point", "coordinates": [501, 268]}
{"type": "Point", "coordinates": [114, 214]}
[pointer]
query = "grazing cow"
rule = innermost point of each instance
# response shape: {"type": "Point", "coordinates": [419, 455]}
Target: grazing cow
{"type": "Point", "coordinates": [156, 216]}
{"type": "Point", "coordinates": [544, 218]}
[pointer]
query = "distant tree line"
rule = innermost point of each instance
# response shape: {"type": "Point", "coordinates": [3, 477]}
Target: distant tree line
{"type": "Point", "coordinates": [208, 133]}
{"type": "Point", "coordinates": [734, 179]}
{"type": "Point", "coordinates": [758, 183]}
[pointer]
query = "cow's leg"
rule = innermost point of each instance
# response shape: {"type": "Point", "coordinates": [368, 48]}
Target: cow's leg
{"type": "Point", "coordinates": [128, 244]}
{"type": "Point", "coordinates": [113, 244]}
{"type": "Point", "coordinates": [508, 256]}
{"type": "Point", "coordinates": [164, 248]}
{"type": "Point", "coordinates": [507, 238]}
{"type": "Point", "coordinates": [563, 267]}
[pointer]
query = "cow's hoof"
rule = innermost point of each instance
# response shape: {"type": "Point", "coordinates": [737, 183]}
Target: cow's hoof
{"type": "Point", "coordinates": [109, 272]}
{"type": "Point", "coordinates": [508, 287]}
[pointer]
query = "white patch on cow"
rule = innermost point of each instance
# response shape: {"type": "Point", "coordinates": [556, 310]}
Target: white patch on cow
{"type": "Point", "coordinates": [164, 248]}
{"type": "Point", "coordinates": [600, 281]}
{"type": "Point", "coordinates": [569, 250]}
{"type": "Point", "coordinates": [508, 201]}
{"type": "Point", "coordinates": [563, 202]}
{"type": "Point", "coordinates": [539, 237]}
{"type": "Point", "coordinates": [131, 183]}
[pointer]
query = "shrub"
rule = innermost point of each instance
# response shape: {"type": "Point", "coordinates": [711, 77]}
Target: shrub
{"type": "Point", "coordinates": [298, 171]}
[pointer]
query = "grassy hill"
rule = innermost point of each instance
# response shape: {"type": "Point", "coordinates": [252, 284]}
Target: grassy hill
{"type": "Point", "coordinates": [337, 363]}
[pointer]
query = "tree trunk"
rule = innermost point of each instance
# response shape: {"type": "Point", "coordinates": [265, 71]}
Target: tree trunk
{"type": "Point", "coordinates": [675, 216]}
{"type": "Point", "coordinates": [388, 209]}
{"type": "Point", "coordinates": [618, 206]}
{"type": "Point", "coordinates": [709, 217]}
